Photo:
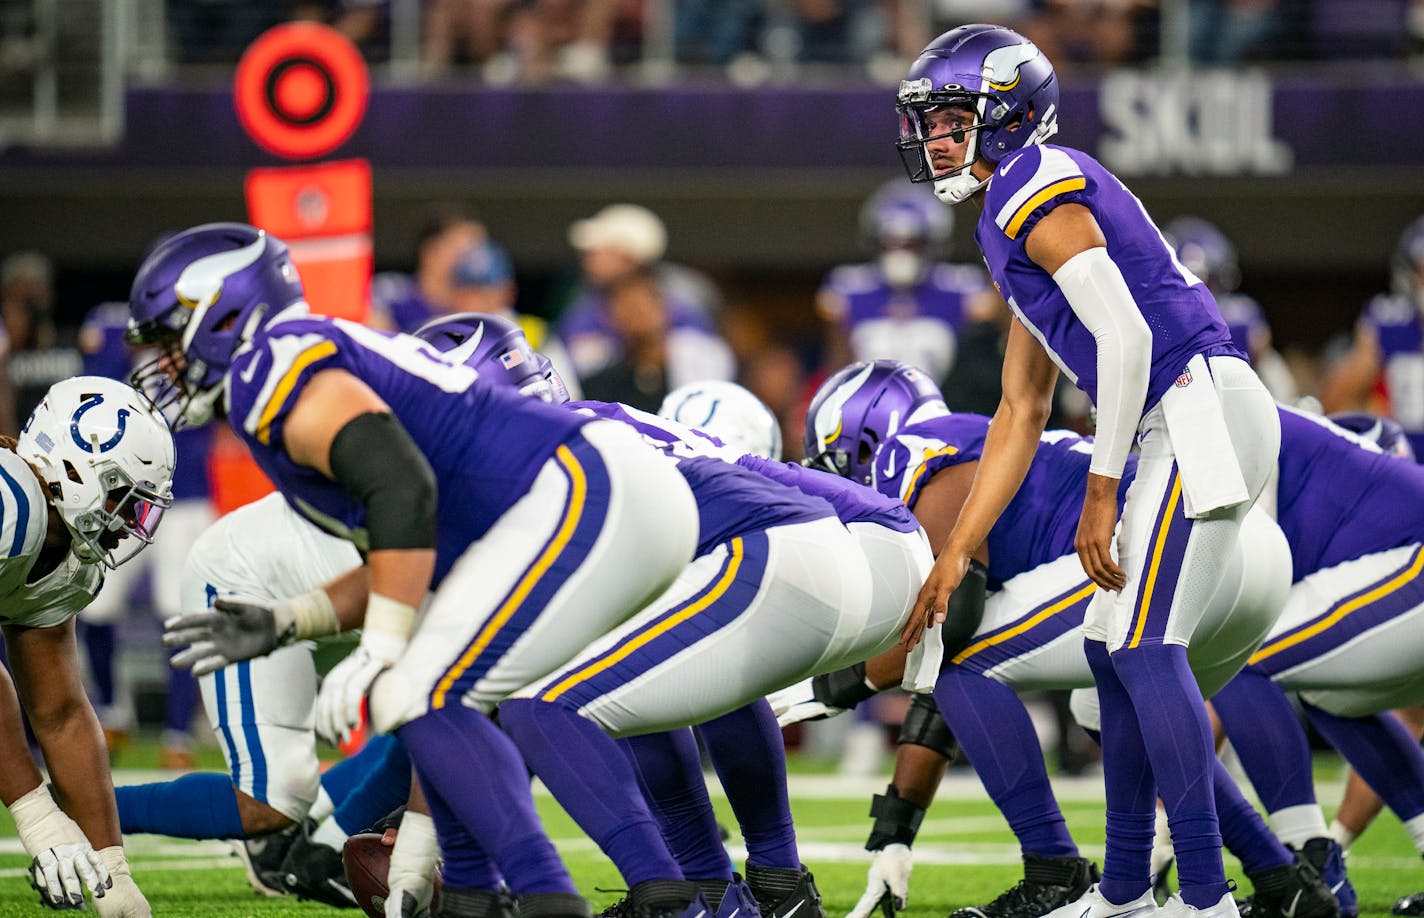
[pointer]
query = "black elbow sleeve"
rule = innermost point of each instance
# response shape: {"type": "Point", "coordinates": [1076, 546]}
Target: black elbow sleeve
{"type": "Point", "coordinates": [379, 465]}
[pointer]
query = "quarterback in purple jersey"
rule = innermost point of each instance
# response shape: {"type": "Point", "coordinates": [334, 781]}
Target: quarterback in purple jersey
{"type": "Point", "coordinates": [549, 528]}
{"type": "Point", "coordinates": [1388, 356]}
{"type": "Point", "coordinates": [1099, 295]}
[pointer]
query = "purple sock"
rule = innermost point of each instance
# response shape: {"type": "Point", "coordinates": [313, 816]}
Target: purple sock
{"type": "Point", "coordinates": [464, 758]}
{"type": "Point", "coordinates": [1266, 733]}
{"type": "Point", "coordinates": [99, 643]}
{"type": "Point", "coordinates": [1243, 831]}
{"type": "Point", "coordinates": [1177, 736]}
{"type": "Point", "coordinates": [670, 773]}
{"type": "Point", "coordinates": [463, 860]}
{"type": "Point", "coordinates": [749, 754]}
{"type": "Point", "coordinates": [1380, 748]}
{"type": "Point", "coordinates": [998, 738]}
{"type": "Point", "coordinates": [592, 779]}
{"type": "Point", "coordinates": [1127, 778]}
{"type": "Point", "coordinates": [182, 700]}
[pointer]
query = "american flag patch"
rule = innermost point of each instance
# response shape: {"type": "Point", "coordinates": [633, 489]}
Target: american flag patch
{"type": "Point", "coordinates": [1184, 380]}
{"type": "Point", "coordinates": [511, 359]}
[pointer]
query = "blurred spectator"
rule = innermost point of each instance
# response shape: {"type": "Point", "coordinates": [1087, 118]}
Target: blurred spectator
{"type": "Point", "coordinates": [365, 22]}
{"type": "Point", "coordinates": [1384, 370]}
{"type": "Point", "coordinates": [1206, 252]}
{"type": "Point", "coordinates": [101, 340]}
{"type": "Point", "coordinates": [37, 357]}
{"type": "Point", "coordinates": [1092, 32]}
{"type": "Point", "coordinates": [482, 280]}
{"type": "Point", "coordinates": [716, 31]}
{"type": "Point", "coordinates": [1230, 31]}
{"type": "Point", "coordinates": [619, 242]}
{"type": "Point", "coordinates": [905, 304]}
{"type": "Point", "coordinates": [404, 302]}
{"type": "Point", "coordinates": [639, 314]}
{"type": "Point", "coordinates": [218, 31]}
{"type": "Point", "coordinates": [838, 31]}
{"type": "Point", "coordinates": [529, 41]}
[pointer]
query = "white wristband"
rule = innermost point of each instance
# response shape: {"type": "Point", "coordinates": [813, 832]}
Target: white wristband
{"type": "Point", "coordinates": [387, 627]}
{"type": "Point", "coordinates": [41, 824]}
{"type": "Point", "coordinates": [311, 614]}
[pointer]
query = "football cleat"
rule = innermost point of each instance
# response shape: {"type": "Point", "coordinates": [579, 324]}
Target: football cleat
{"type": "Point", "coordinates": [1174, 907]}
{"type": "Point", "coordinates": [1092, 904]}
{"type": "Point", "coordinates": [1289, 891]}
{"type": "Point", "coordinates": [312, 870]}
{"type": "Point", "coordinates": [1328, 859]}
{"type": "Point", "coordinates": [463, 902]}
{"type": "Point", "coordinates": [1048, 883]}
{"type": "Point", "coordinates": [667, 899]}
{"type": "Point", "coordinates": [551, 905]}
{"type": "Point", "coordinates": [784, 892]}
{"type": "Point", "coordinates": [1410, 905]}
{"type": "Point", "coordinates": [262, 858]}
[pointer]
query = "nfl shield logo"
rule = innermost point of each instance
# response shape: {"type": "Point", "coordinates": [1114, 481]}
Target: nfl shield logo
{"type": "Point", "coordinates": [1184, 380]}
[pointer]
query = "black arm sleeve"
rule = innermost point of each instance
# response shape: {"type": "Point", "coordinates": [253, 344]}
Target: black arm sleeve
{"type": "Point", "coordinates": [380, 466]}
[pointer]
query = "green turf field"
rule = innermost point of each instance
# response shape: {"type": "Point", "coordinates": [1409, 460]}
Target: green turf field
{"type": "Point", "coordinates": [965, 854]}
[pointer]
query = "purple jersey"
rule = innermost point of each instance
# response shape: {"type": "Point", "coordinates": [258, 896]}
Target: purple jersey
{"type": "Point", "coordinates": [485, 444]}
{"type": "Point", "coordinates": [1340, 498]}
{"type": "Point", "coordinates": [1243, 318]}
{"type": "Point", "coordinates": [853, 503]}
{"type": "Point", "coordinates": [1176, 305]}
{"type": "Point", "coordinates": [101, 343]}
{"type": "Point", "coordinates": [1039, 524]}
{"type": "Point", "coordinates": [1399, 328]}
{"type": "Point", "coordinates": [594, 342]}
{"type": "Point", "coordinates": [917, 325]}
{"type": "Point", "coordinates": [731, 501]}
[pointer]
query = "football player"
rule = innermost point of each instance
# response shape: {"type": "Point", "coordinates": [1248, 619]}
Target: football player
{"type": "Point", "coordinates": [83, 491]}
{"type": "Point", "coordinates": [884, 422]}
{"type": "Point", "coordinates": [1098, 293]}
{"type": "Point", "coordinates": [549, 528]}
{"type": "Point", "coordinates": [1388, 352]}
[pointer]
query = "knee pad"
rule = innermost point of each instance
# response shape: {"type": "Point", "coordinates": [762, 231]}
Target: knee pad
{"type": "Point", "coordinates": [924, 726]}
{"type": "Point", "coordinates": [844, 688]}
{"type": "Point", "coordinates": [964, 612]}
{"type": "Point", "coordinates": [1084, 705]}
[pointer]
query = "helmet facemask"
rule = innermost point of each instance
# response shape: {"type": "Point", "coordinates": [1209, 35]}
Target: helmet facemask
{"type": "Point", "coordinates": [923, 113]}
{"type": "Point", "coordinates": [120, 527]}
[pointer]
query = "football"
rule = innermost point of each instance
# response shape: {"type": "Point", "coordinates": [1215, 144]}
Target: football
{"type": "Point", "coordinates": [367, 861]}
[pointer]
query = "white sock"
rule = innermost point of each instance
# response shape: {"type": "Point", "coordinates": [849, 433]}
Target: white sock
{"type": "Point", "coordinates": [1296, 825]}
{"type": "Point", "coordinates": [330, 834]}
{"type": "Point", "coordinates": [1342, 835]}
{"type": "Point", "coordinates": [1415, 828]}
{"type": "Point", "coordinates": [323, 806]}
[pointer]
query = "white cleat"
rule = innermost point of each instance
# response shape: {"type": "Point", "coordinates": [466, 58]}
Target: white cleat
{"type": "Point", "coordinates": [1092, 905]}
{"type": "Point", "coordinates": [1174, 907]}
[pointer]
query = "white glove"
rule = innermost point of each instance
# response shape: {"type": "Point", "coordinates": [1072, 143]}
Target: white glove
{"type": "Point", "coordinates": [124, 900]}
{"type": "Point", "coordinates": [384, 634]}
{"type": "Point", "coordinates": [414, 859]}
{"type": "Point", "coordinates": [797, 703]}
{"type": "Point", "coordinates": [62, 856]}
{"type": "Point", "coordinates": [888, 885]}
{"type": "Point", "coordinates": [57, 874]}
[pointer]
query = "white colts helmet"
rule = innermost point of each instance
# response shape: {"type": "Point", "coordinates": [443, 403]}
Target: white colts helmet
{"type": "Point", "coordinates": [106, 457]}
{"type": "Point", "coordinates": [728, 412]}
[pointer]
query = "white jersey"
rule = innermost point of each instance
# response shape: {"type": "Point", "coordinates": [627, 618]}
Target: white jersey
{"type": "Point", "coordinates": [263, 551]}
{"type": "Point", "coordinates": [24, 517]}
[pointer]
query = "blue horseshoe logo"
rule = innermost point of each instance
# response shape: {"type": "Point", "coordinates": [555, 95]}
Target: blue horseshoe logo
{"type": "Point", "coordinates": [108, 444]}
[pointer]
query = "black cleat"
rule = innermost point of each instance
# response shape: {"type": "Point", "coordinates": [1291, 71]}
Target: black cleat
{"type": "Point", "coordinates": [262, 857]}
{"type": "Point", "coordinates": [312, 870]}
{"type": "Point", "coordinates": [667, 899]}
{"type": "Point", "coordinates": [1410, 905]}
{"type": "Point", "coordinates": [785, 892]}
{"type": "Point", "coordinates": [1328, 859]}
{"type": "Point", "coordinates": [552, 905]}
{"type": "Point", "coordinates": [467, 902]}
{"type": "Point", "coordinates": [1289, 891]}
{"type": "Point", "coordinates": [1048, 883]}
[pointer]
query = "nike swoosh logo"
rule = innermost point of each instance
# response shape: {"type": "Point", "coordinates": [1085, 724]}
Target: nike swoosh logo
{"type": "Point", "coordinates": [466, 350]}
{"type": "Point", "coordinates": [250, 372]}
{"type": "Point", "coordinates": [794, 909]}
{"type": "Point", "coordinates": [890, 467]}
{"type": "Point", "coordinates": [1295, 903]}
{"type": "Point", "coordinates": [1005, 171]}
{"type": "Point", "coordinates": [735, 911]}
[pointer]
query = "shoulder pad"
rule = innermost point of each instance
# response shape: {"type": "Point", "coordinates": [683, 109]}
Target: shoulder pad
{"type": "Point", "coordinates": [1026, 182]}
{"type": "Point", "coordinates": [23, 508]}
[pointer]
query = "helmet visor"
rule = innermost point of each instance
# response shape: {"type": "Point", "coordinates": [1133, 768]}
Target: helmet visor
{"type": "Point", "coordinates": [931, 131]}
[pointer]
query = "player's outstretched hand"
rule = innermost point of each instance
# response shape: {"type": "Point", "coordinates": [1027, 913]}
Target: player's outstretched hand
{"type": "Point", "coordinates": [230, 632]}
{"type": "Point", "coordinates": [61, 874]}
{"type": "Point", "coordinates": [932, 605]}
{"type": "Point", "coordinates": [888, 885]}
{"type": "Point", "coordinates": [338, 703]}
{"type": "Point", "coordinates": [798, 703]}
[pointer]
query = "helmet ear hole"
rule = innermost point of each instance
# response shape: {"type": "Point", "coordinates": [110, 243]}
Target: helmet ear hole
{"type": "Point", "coordinates": [72, 473]}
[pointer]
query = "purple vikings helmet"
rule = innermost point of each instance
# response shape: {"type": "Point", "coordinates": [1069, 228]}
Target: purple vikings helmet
{"type": "Point", "coordinates": [860, 407]}
{"type": "Point", "coordinates": [198, 296]}
{"type": "Point", "coordinates": [905, 226]}
{"type": "Point", "coordinates": [491, 344]}
{"type": "Point", "coordinates": [1408, 264]}
{"type": "Point", "coordinates": [1381, 431]}
{"type": "Point", "coordinates": [1206, 252]}
{"type": "Point", "coordinates": [998, 76]}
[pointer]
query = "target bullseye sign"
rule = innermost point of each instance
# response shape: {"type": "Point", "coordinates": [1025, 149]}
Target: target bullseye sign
{"type": "Point", "coordinates": [301, 90]}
